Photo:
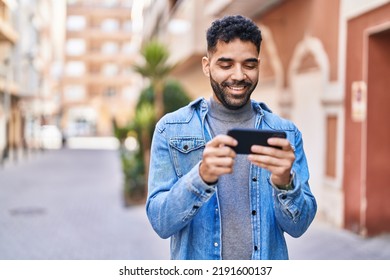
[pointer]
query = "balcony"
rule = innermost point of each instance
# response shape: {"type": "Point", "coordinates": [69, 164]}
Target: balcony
{"type": "Point", "coordinates": [186, 34]}
{"type": "Point", "coordinates": [100, 12]}
{"type": "Point", "coordinates": [248, 8]}
{"type": "Point", "coordinates": [100, 58]}
{"type": "Point", "coordinates": [99, 80]}
{"type": "Point", "coordinates": [98, 34]}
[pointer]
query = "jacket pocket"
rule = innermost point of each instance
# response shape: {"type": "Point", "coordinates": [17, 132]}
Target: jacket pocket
{"type": "Point", "coordinates": [186, 152]}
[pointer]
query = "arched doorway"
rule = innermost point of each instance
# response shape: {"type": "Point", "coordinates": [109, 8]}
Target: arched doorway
{"type": "Point", "coordinates": [308, 78]}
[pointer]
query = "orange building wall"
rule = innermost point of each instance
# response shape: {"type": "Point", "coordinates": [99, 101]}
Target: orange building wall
{"type": "Point", "coordinates": [291, 21]}
{"type": "Point", "coordinates": [355, 149]}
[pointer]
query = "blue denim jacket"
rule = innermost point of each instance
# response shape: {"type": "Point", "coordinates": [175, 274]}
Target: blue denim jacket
{"type": "Point", "coordinates": [181, 206]}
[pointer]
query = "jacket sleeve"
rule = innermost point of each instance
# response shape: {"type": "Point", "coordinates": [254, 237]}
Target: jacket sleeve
{"type": "Point", "coordinates": [172, 202]}
{"type": "Point", "coordinates": [296, 209]}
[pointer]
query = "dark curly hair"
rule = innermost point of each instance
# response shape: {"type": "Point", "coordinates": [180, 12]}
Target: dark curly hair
{"type": "Point", "coordinates": [232, 27]}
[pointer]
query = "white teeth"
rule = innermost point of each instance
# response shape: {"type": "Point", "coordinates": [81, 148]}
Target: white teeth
{"type": "Point", "coordinates": [237, 88]}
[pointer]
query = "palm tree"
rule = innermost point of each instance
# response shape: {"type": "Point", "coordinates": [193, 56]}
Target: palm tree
{"type": "Point", "coordinates": [161, 96]}
{"type": "Point", "coordinates": [156, 70]}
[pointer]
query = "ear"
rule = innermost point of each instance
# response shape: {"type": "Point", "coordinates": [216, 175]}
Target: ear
{"type": "Point", "coordinates": [206, 66]}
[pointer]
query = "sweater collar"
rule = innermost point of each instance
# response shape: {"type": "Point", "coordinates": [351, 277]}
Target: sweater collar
{"type": "Point", "coordinates": [220, 112]}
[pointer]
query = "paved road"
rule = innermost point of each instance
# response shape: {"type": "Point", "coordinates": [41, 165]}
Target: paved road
{"type": "Point", "coordinates": [67, 204]}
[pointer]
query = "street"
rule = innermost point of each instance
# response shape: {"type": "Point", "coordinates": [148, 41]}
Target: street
{"type": "Point", "coordinates": [67, 204]}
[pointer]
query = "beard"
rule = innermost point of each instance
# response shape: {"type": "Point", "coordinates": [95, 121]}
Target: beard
{"type": "Point", "coordinates": [232, 101]}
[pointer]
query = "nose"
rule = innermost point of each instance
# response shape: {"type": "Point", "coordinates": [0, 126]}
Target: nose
{"type": "Point", "coordinates": [238, 73]}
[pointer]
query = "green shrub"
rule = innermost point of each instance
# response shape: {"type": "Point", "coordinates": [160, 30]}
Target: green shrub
{"type": "Point", "coordinates": [133, 175]}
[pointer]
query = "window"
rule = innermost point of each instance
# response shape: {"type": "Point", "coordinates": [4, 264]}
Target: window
{"type": "Point", "coordinates": [75, 47]}
{"type": "Point", "coordinates": [110, 25]}
{"type": "Point", "coordinates": [110, 70]}
{"type": "Point", "coordinates": [110, 92]}
{"type": "Point", "coordinates": [75, 23]}
{"type": "Point", "coordinates": [109, 3]}
{"type": "Point", "coordinates": [110, 48]}
{"type": "Point", "coordinates": [74, 93]}
{"type": "Point", "coordinates": [75, 68]}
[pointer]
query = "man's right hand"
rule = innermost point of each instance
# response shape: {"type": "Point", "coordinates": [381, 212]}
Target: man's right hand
{"type": "Point", "coordinates": [218, 158]}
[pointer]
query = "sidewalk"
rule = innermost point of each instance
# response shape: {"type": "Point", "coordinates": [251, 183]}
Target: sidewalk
{"type": "Point", "coordinates": [67, 204]}
{"type": "Point", "coordinates": [325, 242]}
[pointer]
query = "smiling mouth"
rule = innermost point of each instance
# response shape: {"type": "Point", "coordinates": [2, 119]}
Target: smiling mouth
{"type": "Point", "coordinates": [236, 88]}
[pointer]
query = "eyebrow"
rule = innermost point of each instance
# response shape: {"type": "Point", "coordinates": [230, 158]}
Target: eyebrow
{"type": "Point", "coordinates": [226, 59]}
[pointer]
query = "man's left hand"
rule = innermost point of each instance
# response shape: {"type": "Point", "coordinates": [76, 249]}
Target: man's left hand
{"type": "Point", "coordinates": [278, 161]}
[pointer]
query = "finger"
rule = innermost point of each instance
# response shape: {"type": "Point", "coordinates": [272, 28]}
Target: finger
{"type": "Point", "coordinates": [214, 167]}
{"type": "Point", "coordinates": [269, 161]}
{"type": "Point", "coordinates": [269, 151]}
{"type": "Point", "coordinates": [278, 169]}
{"type": "Point", "coordinates": [211, 168]}
{"type": "Point", "coordinates": [223, 140]}
{"type": "Point", "coordinates": [218, 161]}
{"type": "Point", "coordinates": [280, 142]}
{"type": "Point", "coordinates": [286, 151]}
{"type": "Point", "coordinates": [220, 151]}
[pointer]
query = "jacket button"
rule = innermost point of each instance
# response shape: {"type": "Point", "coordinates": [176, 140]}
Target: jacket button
{"type": "Point", "coordinates": [283, 196]}
{"type": "Point", "coordinates": [256, 248]}
{"type": "Point", "coordinates": [254, 212]}
{"type": "Point", "coordinates": [215, 244]}
{"type": "Point", "coordinates": [254, 179]}
{"type": "Point", "coordinates": [185, 147]}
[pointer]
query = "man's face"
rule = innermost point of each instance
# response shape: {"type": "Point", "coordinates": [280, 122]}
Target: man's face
{"type": "Point", "coordinates": [234, 72]}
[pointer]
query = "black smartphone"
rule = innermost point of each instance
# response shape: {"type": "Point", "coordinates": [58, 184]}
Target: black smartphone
{"type": "Point", "coordinates": [248, 137]}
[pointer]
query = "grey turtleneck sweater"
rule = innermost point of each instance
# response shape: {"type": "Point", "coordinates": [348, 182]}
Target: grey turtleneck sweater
{"type": "Point", "coordinates": [233, 189]}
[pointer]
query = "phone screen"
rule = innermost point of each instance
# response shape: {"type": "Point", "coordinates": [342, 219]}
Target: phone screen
{"type": "Point", "coordinates": [248, 137]}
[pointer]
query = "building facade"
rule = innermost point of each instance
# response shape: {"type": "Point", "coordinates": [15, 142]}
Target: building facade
{"type": "Point", "coordinates": [30, 40]}
{"type": "Point", "coordinates": [98, 85]}
{"type": "Point", "coordinates": [367, 153]}
{"type": "Point", "coordinates": [323, 65]}
{"type": "Point", "coordinates": [8, 88]}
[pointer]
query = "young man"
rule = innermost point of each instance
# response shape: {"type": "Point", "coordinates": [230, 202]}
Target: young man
{"type": "Point", "coordinates": [211, 202]}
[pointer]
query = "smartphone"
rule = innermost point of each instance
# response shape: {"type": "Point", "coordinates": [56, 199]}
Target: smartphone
{"type": "Point", "coordinates": [248, 137]}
